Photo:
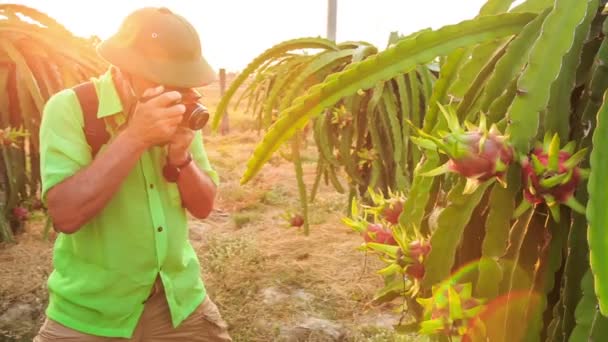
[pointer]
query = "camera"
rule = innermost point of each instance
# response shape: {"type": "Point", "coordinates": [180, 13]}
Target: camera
{"type": "Point", "coordinates": [196, 115]}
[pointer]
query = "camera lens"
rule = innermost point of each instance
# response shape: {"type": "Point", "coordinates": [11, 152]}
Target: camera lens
{"type": "Point", "coordinates": [198, 117]}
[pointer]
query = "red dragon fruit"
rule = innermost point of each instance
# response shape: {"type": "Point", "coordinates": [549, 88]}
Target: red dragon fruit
{"type": "Point", "coordinates": [415, 270]}
{"type": "Point", "coordinates": [20, 213]}
{"type": "Point", "coordinates": [412, 259]}
{"type": "Point", "coordinates": [296, 221]}
{"type": "Point", "coordinates": [475, 153]}
{"type": "Point", "coordinates": [392, 210]}
{"type": "Point", "coordinates": [377, 233]}
{"type": "Point", "coordinates": [551, 175]}
{"type": "Point", "coordinates": [419, 249]}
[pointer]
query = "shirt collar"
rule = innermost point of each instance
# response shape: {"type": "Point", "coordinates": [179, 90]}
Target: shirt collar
{"type": "Point", "coordinates": [109, 101]}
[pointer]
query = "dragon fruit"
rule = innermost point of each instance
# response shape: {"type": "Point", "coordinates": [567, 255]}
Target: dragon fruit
{"type": "Point", "coordinates": [449, 310]}
{"type": "Point", "coordinates": [296, 221]}
{"type": "Point", "coordinates": [412, 259]}
{"type": "Point", "coordinates": [477, 153]}
{"type": "Point", "coordinates": [551, 175]}
{"type": "Point", "coordinates": [377, 233]}
{"type": "Point", "coordinates": [21, 213]}
{"type": "Point", "coordinates": [392, 210]}
{"type": "Point", "coordinates": [419, 249]}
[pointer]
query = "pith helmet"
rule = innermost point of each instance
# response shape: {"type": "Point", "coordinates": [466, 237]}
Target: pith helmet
{"type": "Point", "coordinates": [161, 46]}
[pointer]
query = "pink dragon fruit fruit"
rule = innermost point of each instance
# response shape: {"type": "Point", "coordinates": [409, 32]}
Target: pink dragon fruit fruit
{"type": "Point", "coordinates": [412, 259]}
{"type": "Point", "coordinates": [476, 153]}
{"type": "Point", "coordinates": [377, 233]}
{"type": "Point", "coordinates": [392, 210]}
{"type": "Point", "coordinates": [419, 249]}
{"type": "Point", "coordinates": [551, 175]}
{"type": "Point", "coordinates": [20, 213]}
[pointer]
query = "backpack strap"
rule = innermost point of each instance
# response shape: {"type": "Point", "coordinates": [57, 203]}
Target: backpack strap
{"type": "Point", "coordinates": [94, 128]}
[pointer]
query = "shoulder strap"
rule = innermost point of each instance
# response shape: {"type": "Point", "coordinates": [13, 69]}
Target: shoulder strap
{"type": "Point", "coordinates": [94, 128]}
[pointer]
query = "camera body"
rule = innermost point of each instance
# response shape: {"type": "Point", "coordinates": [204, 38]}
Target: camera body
{"type": "Point", "coordinates": [196, 115]}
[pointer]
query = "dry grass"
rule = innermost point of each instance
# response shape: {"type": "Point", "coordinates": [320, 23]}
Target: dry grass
{"type": "Point", "coordinates": [263, 275]}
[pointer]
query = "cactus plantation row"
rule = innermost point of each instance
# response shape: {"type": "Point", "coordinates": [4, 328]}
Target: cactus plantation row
{"type": "Point", "coordinates": [38, 57]}
{"type": "Point", "coordinates": [494, 167]}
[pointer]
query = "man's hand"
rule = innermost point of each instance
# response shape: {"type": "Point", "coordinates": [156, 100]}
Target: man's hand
{"type": "Point", "coordinates": [179, 145]}
{"type": "Point", "coordinates": [155, 121]}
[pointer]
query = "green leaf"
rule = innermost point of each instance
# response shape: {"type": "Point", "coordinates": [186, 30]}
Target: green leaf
{"type": "Point", "coordinates": [451, 224]}
{"type": "Point", "coordinates": [544, 64]}
{"type": "Point", "coordinates": [447, 75]}
{"type": "Point", "coordinates": [393, 289]}
{"type": "Point", "coordinates": [389, 250]}
{"type": "Point", "coordinates": [325, 61]}
{"type": "Point", "coordinates": [390, 270]}
{"type": "Point", "coordinates": [549, 262]}
{"type": "Point", "coordinates": [402, 57]}
{"type": "Point", "coordinates": [553, 159]}
{"type": "Point", "coordinates": [469, 106]}
{"type": "Point", "coordinates": [585, 311]}
{"type": "Point", "coordinates": [511, 64]}
{"type": "Point", "coordinates": [498, 224]}
{"type": "Point", "coordinates": [597, 215]}
{"type": "Point", "coordinates": [578, 255]}
{"type": "Point", "coordinates": [273, 52]}
{"type": "Point", "coordinates": [420, 192]}
{"type": "Point", "coordinates": [575, 159]}
{"type": "Point", "coordinates": [284, 75]}
{"type": "Point", "coordinates": [555, 180]}
{"type": "Point", "coordinates": [557, 117]}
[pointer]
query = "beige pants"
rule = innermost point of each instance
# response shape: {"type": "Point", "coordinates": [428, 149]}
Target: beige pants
{"type": "Point", "coordinates": [205, 325]}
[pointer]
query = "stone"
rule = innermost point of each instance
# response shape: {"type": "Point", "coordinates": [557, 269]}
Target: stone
{"type": "Point", "coordinates": [19, 319]}
{"type": "Point", "coordinates": [302, 296]}
{"type": "Point", "coordinates": [273, 295]}
{"type": "Point", "coordinates": [320, 329]}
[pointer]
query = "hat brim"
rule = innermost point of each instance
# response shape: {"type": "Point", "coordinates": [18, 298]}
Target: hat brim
{"type": "Point", "coordinates": [169, 73]}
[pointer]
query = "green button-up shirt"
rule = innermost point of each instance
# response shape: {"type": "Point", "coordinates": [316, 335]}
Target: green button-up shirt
{"type": "Point", "coordinates": [104, 272]}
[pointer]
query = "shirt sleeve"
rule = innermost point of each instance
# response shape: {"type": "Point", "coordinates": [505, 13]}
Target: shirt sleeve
{"type": "Point", "coordinates": [63, 146]}
{"type": "Point", "coordinates": [199, 155]}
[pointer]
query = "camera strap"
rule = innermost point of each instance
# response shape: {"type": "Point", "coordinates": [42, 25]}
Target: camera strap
{"type": "Point", "coordinates": [94, 127]}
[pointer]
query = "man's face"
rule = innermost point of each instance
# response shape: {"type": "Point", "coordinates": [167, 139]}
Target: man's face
{"type": "Point", "coordinates": [140, 85]}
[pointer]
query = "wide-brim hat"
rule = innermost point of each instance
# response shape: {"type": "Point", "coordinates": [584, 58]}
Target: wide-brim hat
{"type": "Point", "coordinates": [160, 46]}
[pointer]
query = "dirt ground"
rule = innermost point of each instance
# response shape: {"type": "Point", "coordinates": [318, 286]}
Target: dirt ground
{"type": "Point", "coordinates": [271, 282]}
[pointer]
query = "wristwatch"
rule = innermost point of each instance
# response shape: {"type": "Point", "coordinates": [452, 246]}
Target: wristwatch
{"type": "Point", "coordinates": [171, 172]}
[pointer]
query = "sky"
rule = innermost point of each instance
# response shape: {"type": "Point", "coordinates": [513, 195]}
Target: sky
{"type": "Point", "coordinates": [234, 32]}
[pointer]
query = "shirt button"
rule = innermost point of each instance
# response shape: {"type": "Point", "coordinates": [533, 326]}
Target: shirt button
{"type": "Point", "coordinates": [151, 186]}
{"type": "Point", "coordinates": [160, 229]}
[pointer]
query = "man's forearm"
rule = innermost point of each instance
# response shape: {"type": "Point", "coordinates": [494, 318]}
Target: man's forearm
{"type": "Point", "coordinates": [197, 191]}
{"type": "Point", "coordinates": [76, 200]}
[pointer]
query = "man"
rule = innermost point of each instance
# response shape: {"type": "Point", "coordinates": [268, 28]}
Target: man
{"type": "Point", "coordinates": [124, 269]}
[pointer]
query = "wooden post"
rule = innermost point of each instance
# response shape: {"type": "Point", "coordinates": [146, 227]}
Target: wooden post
{"type": "Point", "coordinates": [225, 127]}
{"type": "Point", "coordinates": [332, 10]}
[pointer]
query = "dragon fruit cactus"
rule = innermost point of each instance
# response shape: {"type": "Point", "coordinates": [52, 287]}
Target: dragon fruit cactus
{"type": "Point", "coordinates": [551, 175]}
{"type": "Point", "coordinates": [476, 153]}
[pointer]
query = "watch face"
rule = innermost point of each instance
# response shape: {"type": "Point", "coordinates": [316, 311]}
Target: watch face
{"type": "Point", "coordinates": [171, 173]}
